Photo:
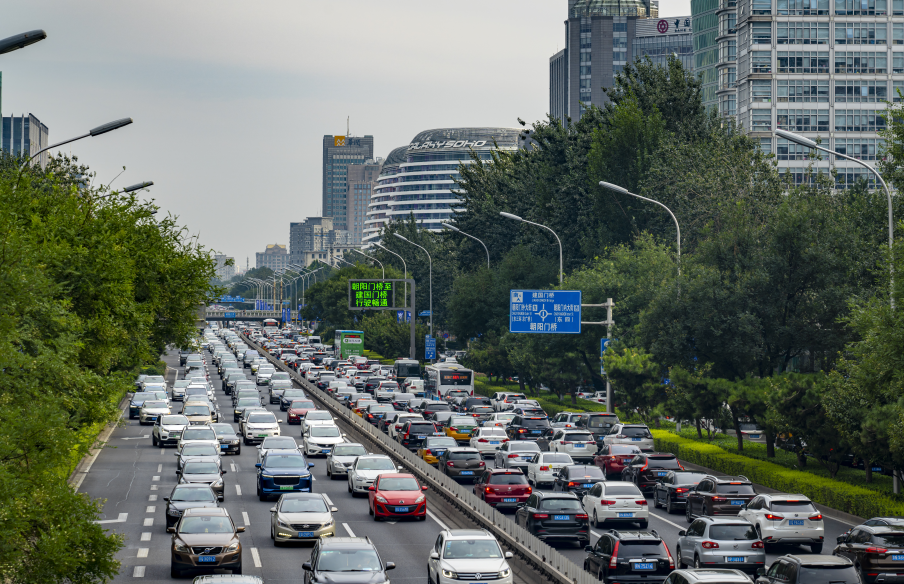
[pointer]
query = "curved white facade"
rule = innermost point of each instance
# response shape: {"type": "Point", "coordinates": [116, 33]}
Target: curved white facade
{"type": "Point", "coordinates": [419, 178]}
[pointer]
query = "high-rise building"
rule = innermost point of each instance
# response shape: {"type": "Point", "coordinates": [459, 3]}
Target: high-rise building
{"type": "Point", "coordinates": [316, 239]}
{"type": "Point", "coordinates": [338, 153]}
{"type": "Point", "coordinates": [600, 38]}
{"type": "Point", "coordinates": [423, 184]}
{"type": "Point", "coordinates": [25, 135]}
{"type": "Point", "coordinates": [385, 187]}
{"type": "Point", "coordinates": [817, 68]}
{"type": "Point", "coordinates": [274, 257]}
{"type": "Point", "coordinates": [705, 16]}
{"type": "Point", "coordinates": [224, 270]}
{"type": "Point", "coordinates": [361, 181]}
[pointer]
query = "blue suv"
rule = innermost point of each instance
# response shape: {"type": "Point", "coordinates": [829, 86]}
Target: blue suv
{"type": "Point", "coordinates": [283, 471]}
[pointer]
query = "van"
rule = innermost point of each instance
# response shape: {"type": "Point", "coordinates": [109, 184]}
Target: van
{"type": "Point", "coordinates": [314, 340]}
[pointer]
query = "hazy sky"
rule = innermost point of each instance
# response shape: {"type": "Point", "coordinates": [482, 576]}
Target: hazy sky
{"type": "Point", "coordinates": [231, 99]}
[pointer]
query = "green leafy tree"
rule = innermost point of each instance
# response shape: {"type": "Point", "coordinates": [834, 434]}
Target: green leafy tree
{"type": "Point", "coordinates": [638, 380]}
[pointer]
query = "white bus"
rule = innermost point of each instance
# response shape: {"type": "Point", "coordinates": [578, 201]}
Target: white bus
{"type": "Point", "coordinates": [444, 377]}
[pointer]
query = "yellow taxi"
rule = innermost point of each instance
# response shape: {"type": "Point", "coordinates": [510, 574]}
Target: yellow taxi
{"type": "Point", "coordinates": [460, 427]}
{"type": "Point", "coordinates": [433, 446]}
{"type": "Point", "coordinates": [361, 405]}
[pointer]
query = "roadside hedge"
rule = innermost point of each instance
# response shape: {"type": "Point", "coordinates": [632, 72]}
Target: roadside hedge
{"type": "Point", "coordinates": [831, 493]}
{"type": "Point", "coordinates": [549, 402]}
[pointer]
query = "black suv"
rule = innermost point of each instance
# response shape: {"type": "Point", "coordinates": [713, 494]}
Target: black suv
{"type": "Point", "coordinates": [645, 470]}
{"type": "Point", "coordinates": [372, 383]}
{"type": "Point", "coordinates": [718, 496]}
{"type": "Point", "coordinates": [355, 557]}
{"type": "Point", "coordinates": [809, 568]}
{"type": "Point", "coordinates": [554, 516]}
{"type": "Point", "coordinates": [578, 478]}
{"type": "Point", "coordinates": [629, 556]}
{"type": "Point", "coordinates": [597, 423]}
{"type": "Point", "coordinates": [414, 432]}
{"type": "Point", "coordinates": [527, 427]}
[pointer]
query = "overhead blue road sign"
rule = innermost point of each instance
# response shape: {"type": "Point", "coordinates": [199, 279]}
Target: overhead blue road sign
{"type": "Point", "coordinates": [424, 313]}
{"type": "Point", "coordinates": [604, 344]}
{"type": "Point", "coordinates": [228, 315]}
{"type": "Point", "coordinates": [545, 311]}
{"type": "Point", "coordinates": [431, 348]}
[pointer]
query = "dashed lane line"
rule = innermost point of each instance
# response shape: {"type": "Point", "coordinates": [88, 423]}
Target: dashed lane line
{"type": "Point", "coordinates": [143, 552]}
{"type": "Point", "coordinates": [138, 572]}
{"type": "Point", "coordinates": [146, 536]}
{"type": "Point", "coordinates": [256, 557]}
{"type": "Point", "coordinates": [349, 530]}
{"type": "Point", "coordinates": [151, 509]}
{"type": "Point", "coordinates": [152, 498]}
{"type": "Point", "coordinates": [120, 519]}
{"type": "Point", "coordinates": [245, 518]}
{"type": "Point", "coordinates": [148, 522]}
{"type": "Point", "coordinates": [238, 490]}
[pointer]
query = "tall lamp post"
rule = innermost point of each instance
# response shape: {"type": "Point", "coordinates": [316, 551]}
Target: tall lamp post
{"type": "Point", "coordinates": [404, 267]}
{"type": "Point", "coordinates": [371, 258]}
{"type": "Point", "coordinates": [457, 230]}
{"type": "Point", "coordinates": [516, 218]}
{"type": "Point", "coordinates": [430, 260]}
{"type": "Point", "coordinates": [20, 41]}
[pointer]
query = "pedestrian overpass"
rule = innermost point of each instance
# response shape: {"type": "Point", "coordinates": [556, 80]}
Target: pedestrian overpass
{"type": "Point", "coordinates": [211, 314]}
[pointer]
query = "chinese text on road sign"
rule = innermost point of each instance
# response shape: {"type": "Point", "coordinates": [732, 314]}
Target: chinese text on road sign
{"type": "Point", "coordinates": [364, 294]}
{"type": "Point", "coordinates": [545, 311]}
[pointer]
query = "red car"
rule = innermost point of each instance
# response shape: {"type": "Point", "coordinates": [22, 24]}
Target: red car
{"type": "Point", "coordinates": [613, 458]}
{"type": "Point", "coordinates": [298, 409]}
{"type": "Point", "coordinates": [503, 487]}
{"type": "Point", "coordinates": [397, 495]}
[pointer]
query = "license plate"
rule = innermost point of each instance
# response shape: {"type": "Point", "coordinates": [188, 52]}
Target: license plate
{"type": "Point", "coordinates": [261, 435]}
{"type": "Point", "coordinates": [207, 558]}
{"type": "Point", "coordinates": [795, 522]}
{"type": "Point", "coordinates": [561, 517]}
{"type": "Point", "coordinates": [153, 418]}
{"type": "Point", "coordinates": [467, 472]}
{"type": "Point", "coordinates": [626, 515]}
{"type": "Point", "coordinates": [421, 437]}
{"type": "Point", "coordinates": [898, 558]}
{"type": "Point", "coordinates": [401, 509]}
{"type": "Point", "coordinates": [737, 502]}
{"type": "Point", "coordinates": [734, 559]}
{"type": "Point", "coordinates": [535, 431]}
{"type": "Point", "coordinates": [438, 452]}
{"type": "Point", "coordinates": [509, 500]}
{"type": "Point", "coordinates": [755, 436]}
{"type": "Point", "coordinates": [580, 445]}
{"type": "Point", "coordinates": [327, 450]}
{"type": "Point", "coordinates": [643, 566]}
{"type": "Point", "coordinates": [877, 468]}
{"type": "Point", "coordinates": [224, 446]}
{"type": "Point", "coordinates": [587, 485]}
{"type": "Point", "coordinates": [661, 474]}
{"type": "Point", "coordinates": [286, 487]}
{"type": "Point", "coordinates": [176, 435]}
{"type": "Point", "coordinates": [494, 441]}
{"type": "Point", "coordinates": [636, 439]}
{"type": "Point", "coordinates": [305, 534]}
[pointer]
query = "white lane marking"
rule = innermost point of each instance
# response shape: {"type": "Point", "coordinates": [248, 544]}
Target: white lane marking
{"type": "Point", "coordinates": [159, 468]}
{"type": "Point", "coordinates": [143, 552]}
{"type": "Point", "coordinates": [435, 518]}
{"type": "Point", "coordinates": [149, 521]}
{"type": "Point", "coordinates": [232, 467]}
{"type": "Point", "coordinates": [153, 487]}
{"type": "Point", "coordinates": [666, 520]}
{"type": "Point", "coordinates": [313, 478]}
{"type": "Point", "coordinates": [151, 509]}
{"type": "Point", "coordinates": [156, 478]}
{"type": "Point", "coordinates": [146, 536]}
{"type": "Point", "coordinates": [327, 499]}
{"type": "Point", "coordinates": [152, 498]}
{"type": "Point", "coordinates": [256, 557]}
{"type": "Point", "coordinates": [245, 518]}
{"type": "Point", "coordinates": [349, 530]}
{"type": "Point", "coordinates": [136, 437]}
{"type": "Point", "coordinates": [120, 519]}
{"type": "Point", "coordinates": [139, 572]}
{"type": "Point", "coordinates": [238, 490]}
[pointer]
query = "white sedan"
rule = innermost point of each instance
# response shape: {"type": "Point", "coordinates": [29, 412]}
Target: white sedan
{"type": "Point", "coordinates": [365, 471]}
{"type": "Point", "coordinates": [259, 425]}
{"type": "Point", "coordinates": [499, 419]}
{"type": "Point", "coordinates": [544, 466]}
{"type": "Point", "coordinates": [577, 443]}
{"type": "Point", "coordinates": [616, 502]}
{"type": "Point", "coordinates": [321, 440]}
{"type": "Point", "coordinates": [488, 440]}
{"type": "Point", "coordinates": [316, 418]}
{"type": "Point", "coordinates": [151, 410]}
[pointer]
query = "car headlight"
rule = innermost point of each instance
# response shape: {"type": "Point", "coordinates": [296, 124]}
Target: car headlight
{"type": "Point", "coordinates": [449, 574]}
{"type": "Point", "coordinates": [380, 499]}
{"type": "Point", "coordinates": [181, 548]}
{"type": "Point", "coordinates": [505, 573]}
{"type": "Point", "coordinates": [283, 524]}
{"type": "Point", "coordinates": [217, 483]}
{"type": "Point", "coordinates": [233, 442]}
{"type": "Point", "coordinates": [420, 499]}
{"type": "Point", "coordinates": [266, 476]}
{"type": "Point", "coordinates": [233, 548]}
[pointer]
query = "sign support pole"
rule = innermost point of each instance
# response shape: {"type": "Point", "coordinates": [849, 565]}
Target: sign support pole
{"type": "Point", "coordinates": [610, 408]}
{"type": "Point", "coordinates": [413, 351]}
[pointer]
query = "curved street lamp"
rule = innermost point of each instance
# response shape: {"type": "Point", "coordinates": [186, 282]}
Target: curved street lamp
{"type": "Point", "coordinates": [429, 259]}
{"type": "Point", "coordinates": [21, 40]}
{"type": "Point", "coordinates": [404, 267]}
{"type": "Point", "coordinates": [457, 230]}
{"type": "Point", "coordinates": [516, 218]}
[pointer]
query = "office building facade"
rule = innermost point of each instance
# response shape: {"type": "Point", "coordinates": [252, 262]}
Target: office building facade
{"type": "Point", "coordinates": [224, 270]}
{"type": "Point", "coordinates": [362, 178]}
{"type": "Point", "coordinates": [659, 39]}
{"type": "Point", "coordinates": [384, 187]}
{"type": "Point", "coordinates": [338, 153]}
{"type": "Point", "coordinates": [316, 239]}
{"type": "Point", "coordinates": [275, 257]}
{"type": "Point", "coordinates": [705, 22]}
{"type": "Point", "coordinates": [24, 135]}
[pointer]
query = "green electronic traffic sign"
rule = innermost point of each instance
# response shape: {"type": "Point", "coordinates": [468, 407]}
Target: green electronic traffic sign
{"type": "Point", "coordinates": [371, 294]}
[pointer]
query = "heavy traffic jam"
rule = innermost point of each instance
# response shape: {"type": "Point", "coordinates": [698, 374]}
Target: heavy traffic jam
{"type": "Point", "coordinates": [585, 482]}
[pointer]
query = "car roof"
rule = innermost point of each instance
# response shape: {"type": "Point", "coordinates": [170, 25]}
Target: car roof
{"type": "Point", "coordinates": [819, 560]}
{"type": "Point", "coordinates": [346, 542]}
{"type": "Point", "coordinates": [635, 534]}
{"type": "Point", "coordinates": [887, 522]}
{"type": "Point", "coordinates": [787, 497]}
{"type": "Point", "coordinates": [299, 495]}
{"type": "Point", "coordinates": [505, 471]}
{"type": "Point", "coordinates": [556, 495]}
{"type": "Point", "coordinates": [283, 452]}
{"type": "Point", "coordinates": [468, 534]}
{"type": "Point", "coordinates": [706, 575]}
{"type": "Point", "coordinates": [206, 511]}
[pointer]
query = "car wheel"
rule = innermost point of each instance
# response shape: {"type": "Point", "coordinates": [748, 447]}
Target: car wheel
{"type": "Point", "coordinates": [272, 535]}
{"type": "Point", "coordinates": [350, 489]}
{"type": "Point", "coordinates": [239, 450]}
{"type": "Point", "coordinates": [696, 562]}
{"type": "Point", "coordinates": [154, 440]}
{"type": "Point", "coordinates": [678, 558]}
{"type": "Point", "coordinates": [600, 575]}
{"type": "Point", "coordinates": [687, 512]}
{"type": "Point", "coordinates": [668, 505]}
{"type": "Point", "coordinates": [815, 548]}
{"type": "Point", "coordinates": [596, 522]}
{"type": "Point", "coordinates": [656, 504]}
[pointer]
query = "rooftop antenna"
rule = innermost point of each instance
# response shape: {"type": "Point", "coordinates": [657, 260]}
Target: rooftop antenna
{"type": "Point", "coordinates": [348, 123]}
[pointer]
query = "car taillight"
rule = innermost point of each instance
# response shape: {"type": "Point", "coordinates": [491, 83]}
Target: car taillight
{"type": "Point", "coordinates": [483, 440]}
{"type": "Point", "coordinates": [620, 436]}
{"type": "Point", "coordinates": [815, 517]}
{"type": "Point", "coordinates": [572, 484]}
{"type": "Point", "coordinates": [581, 516]}
{"type": "Point", "coordinates": [566, 442]}
{"type": "Point", "coordinates": [722, 500]}
{"type": "Point", "coordinates": [680, 465]}
{"type": "Point", "coordinates": [450, 463]}
{"type": "Point", "coordinates": [513, 456]}
{"type": "Point", "coordinates": [481, 463]}
{"type": "Point", "coordinates": [671, 559]}
{"type": "Point", "coordinates": [641, 502]}
{"type": "Point", "coordinates": [758, 545]}
{"type": "Point", "coordinates": [614, 558]}
{"type": "Point", "coordinates": [774, 517]}
{"type": "Point", "coordinates": [876, 550]}
{"type": "Point", "coordinates": [682, 490]}
{"type": "Point", "coordinates": [453, 430]}
{"type": "Point", "coordinates": [370, 415]}
{"type": "Point", "coordinates": [540, 516]}
{"type": "Point", "coordinates": [488, 490]}
{"type": "Point", "coordinates": [606, 502]}
{"type": "Point", "coordinates": [544, 468]}
{"type": "Point", "coordinates": [521, 431]}
{"type": "Point", "coordinates": [710, 545]}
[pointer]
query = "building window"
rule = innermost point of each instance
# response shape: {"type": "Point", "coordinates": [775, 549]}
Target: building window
{"type": "Point", "coordinates": [728, 23]}
{"type": "Point", "coordinates": [861, 148]}
{"type": "Point", "coordinates": [585, 57]}
{"type": "Point", "coordinates": [859, 121]}
{"type": "Point", "coordinates": [761, 62]}
{"type": "Point", "coordinates": [848, 177]}
{"type": "Point", "coordinates": [619, 27]}
{"type": "Point", "coordinates": [785, 150]}
{"type": "Point", "coordinates": [585, 42]}
{"type": "Point", "coordinates": [760, 120]}
{"type": "Point", "coordinates": [860, 91]}
{"type": "Point", "coordinates": [762, 6]}
{"type": "Point", "coordinates": [848, 62]}
{"type": "Point", "coordinates": [897, 33]}
{"type": "Point", "coordinates": [761, 90]}
{"type": "Point", "coordinates": [861, 33]}
{"type": "Point", "coordinates": [585, 85]}
{"type": "Point", "coordinates": [898, 90]}
{"type": "Point", "coordinates": [761, 33]}
{"type": "Point", "coordinates": [728, 105]}
{"type": "Point", "coordinates": [585, 24]}
{"type": "Point", "coordinates": [728, 51]}
{"type": "Point", "coordinates": [802, 62]}
{"type": "Point", "coordinates": [803, 33]}
{"type": "Point", "coordinates": [862, 7]}
{"type": "Point", "coordinates": [728, 78]}
{"type": "Point", "coordinates": [585, 70]}
{"type": "Point", "coordinates": [620, 43]}
{"type": "Point", "coordinates": [803, 7]}
{"type": "Point", "coordinates": [766, 145]}
{"type": "Point", "coordinates": [802, 90]}
{"type": "Point", "coordinates": [802, 120]}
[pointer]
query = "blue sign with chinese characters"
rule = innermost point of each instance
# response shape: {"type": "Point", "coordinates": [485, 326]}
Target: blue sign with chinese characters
{"type": "Point", "coordinates": [545, 311]}
{"type": "Point", "coordinates": [228, 315]}
{"type": "Point", "coordinates": [431, 348]}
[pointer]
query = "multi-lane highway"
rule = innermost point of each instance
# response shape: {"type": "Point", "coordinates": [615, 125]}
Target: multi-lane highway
{"type": "Point", "coordinates": [134, 476]}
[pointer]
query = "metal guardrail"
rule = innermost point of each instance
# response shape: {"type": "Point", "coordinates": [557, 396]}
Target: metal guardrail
{"type": "Point", "coordinates": [538, 554]}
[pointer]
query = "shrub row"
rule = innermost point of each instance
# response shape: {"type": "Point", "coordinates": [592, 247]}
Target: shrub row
{"type": "Point", "coordinates": [822, 490]}
{"type": "Point", "coordinates": [550, 404]}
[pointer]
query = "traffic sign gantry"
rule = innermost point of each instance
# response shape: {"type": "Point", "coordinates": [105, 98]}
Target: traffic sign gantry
{"type": "Point", "coordinates": [545, 311]}
{"type": "Point", "coordinates": [371, 294]}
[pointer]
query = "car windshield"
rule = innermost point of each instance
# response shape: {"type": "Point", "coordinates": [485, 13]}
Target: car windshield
{"type": "Point", "coordinates": [734, 532]}
{"type": "Point", "coordinates": [349, 450]}
{"type": "Point", "coordinates": [285, 461]}
{"type": "Point", "coordinates": [535, 423]}
{"type": "Point", "coordinates": [201, 468]}
{"type": "Point", "coordinates": [199, 434]}
{"type": "Point", "coordinates": [205, 525]}
{"type": "Point", "coordinates": [325, 432]}
{"type": "Point", "coordinates": [274, 442]}
{"type": "Point", "coordinates": [585, 472]}
{"type": "Point", "coordinates": [196, 391]}
{"type": "Point", "coordinates": [793, 506]}
{"type": "Point", "coordinates": [560, 505]}
{"type": "Point", "coordinates": [193, 494]}
{"type": "Point", "coordinates": [143, 395]}
{"type": "Point", "coordinates": [730, 489]}
{"type": "Point", "coordinates": [471, 549]}
{"type": "Point", "coordinates": [174, 421]}
{"type": "Point", "coordinates": [293, 393]}
{"type": "Point", "coordinates": [199, 450]}
{"type": "Point", "coordinates": [247, 401]}
{"type": "Point", "coordinates": [154, 379]}
{"type": "Point", "coordinates": [343, 560]}
{"type": "Point", "coordinates": [828, 575]}
{"type": "Point", "coordinates": [578, 437]}
{"type": "Point", "coordinates": [688, 478]}
{"type": "Point", "coordinates": [636, 432]}
{"type": "Point", "coordinates": [663, 462]}
{"type": "Point", "coordinates": [524, 447]}
{"type": "Point", "coordinates": [302, 404]}
{"type": "Point", "coordinates": [262, 418]}
{"type": "Point", "coordinates": [621, 490]}
{"type": "Point", "coordinates": [154, 404]}
{"type": "Point", "coordinates": [375, 464]}
{"type": "Point", "coordinates": [440, 443]}
{"type": "Point", "coordinates": [399, 484]}
{"type": "Point", "coordinates": [318, 416]}
{"type": "Point", "coordinates": [547, 458]}
{"type": "Point", "coordinates": [508, 478]}
{"type": "Point", "coordinates": [465, 456]}
{"type": "Point", "coordinates": [313, 505]}
{"type": "Point", "coordinates": [196, 411]}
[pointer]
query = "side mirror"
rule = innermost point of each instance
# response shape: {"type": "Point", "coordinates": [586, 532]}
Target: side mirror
{"type": "Point", "coordinates": [424, 487]}
{"type": "Point", "coordinates": [761, 571]}
{"type": "Point", "coordinates": [171, 530]}
{"type": "Point", "coordinates": [279, 421]}
{"type": "Point", "coordinates": [259, 446]}
{"type": "Point", "coordinates": [682, 533]}
{"type": "Point", "coordinates": [258, 465]}
{"type": "Point", "coordinates": [310, 465]}
{"type": "Point", "coordinates": [240, 530]}
{"type": "Point", "coordinates": [334, 509]}
{"type": "Point", "coordinates": [371, 488]}
{"type": "Point", "coordinates": [841, 538]}
{"type": "Point", "coordinates": [587, 548]}
{"type": "Point", "coordinates": [744, 506]}
{"type": "Point", "coordinates": [434, 556]}
{"type": "Point", "coordinates": [175, 454]}
{"type": "Point", "coordinates": [390, 565]}
{"type": "Point", "coordinates": [166, 498]}
{"type": "Point", "coordinates": [400, 468]}
{"type": "Point", "coordinates": [307, 567]}
{"type": "Point", "coordinates": [272, 509]}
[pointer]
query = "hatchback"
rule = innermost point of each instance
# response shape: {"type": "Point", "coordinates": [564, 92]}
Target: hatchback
{"type": "Point", "coordinates": [502, 488]}
{"type": "Point", "coordinates": [461, 463]}
{"type": "Point", "coordinates": [645, 470]}
{"type": "Point", "coordinates": [397, 496]}
{"type": "Point", "coordinates": [720, 542]}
